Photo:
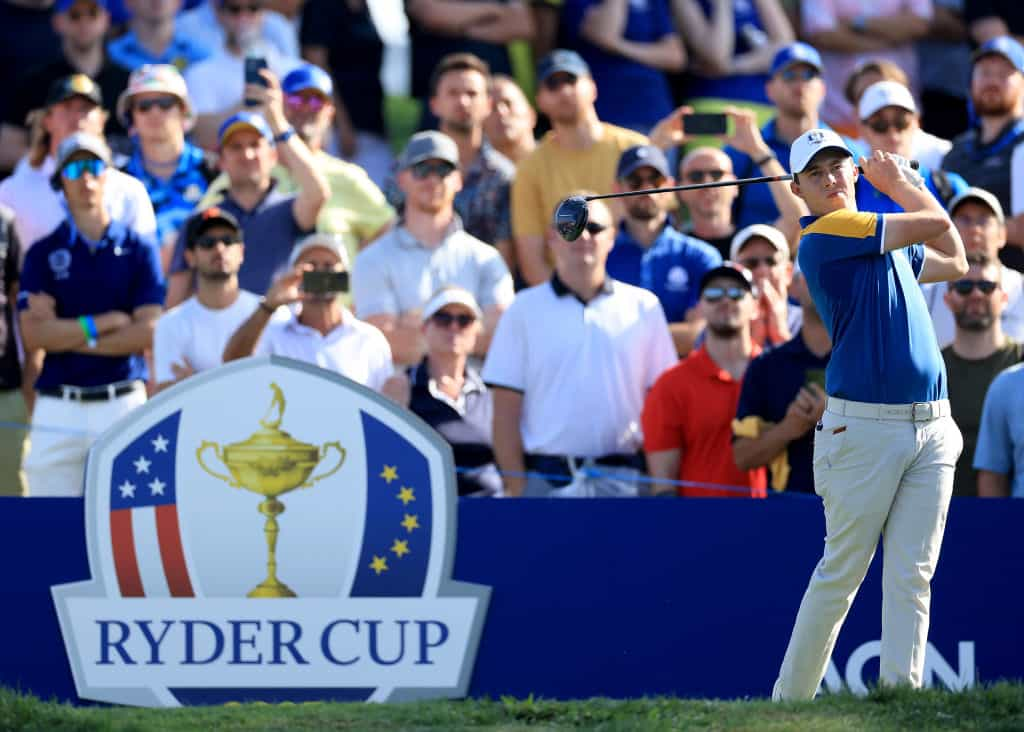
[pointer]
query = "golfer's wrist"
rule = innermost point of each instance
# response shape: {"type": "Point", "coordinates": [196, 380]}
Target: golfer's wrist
{"type": "Point", "coordinates": [763, 157]}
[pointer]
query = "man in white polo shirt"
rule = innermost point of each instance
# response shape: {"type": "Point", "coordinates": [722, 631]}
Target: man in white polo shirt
{"type": "Point", "coordinates": [323, 331]}
{"type": "Point", "coordinates": [569, 366]}
{"type": "Point", "coordinates": [398, 273]}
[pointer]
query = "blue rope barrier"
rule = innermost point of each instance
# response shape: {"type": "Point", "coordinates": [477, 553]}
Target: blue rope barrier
{"type": "Point", "coordinates": [589, 471]}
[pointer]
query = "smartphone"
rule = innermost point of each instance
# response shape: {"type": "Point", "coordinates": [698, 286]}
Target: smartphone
{"type": "Point", "coordinates": [253, 65]}
{"type": "Point", "coordinates": [815, 376]}
{"type": "Point", "coordinates": [317, 282]}
{"type": "Point", "coordinates": [705, 124]}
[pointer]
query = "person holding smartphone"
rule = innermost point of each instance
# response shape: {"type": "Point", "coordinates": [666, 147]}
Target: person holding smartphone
{"type": "Point", "coordinates": [782, 398]}
{"type": "Point", "coordinates": [320, 330]}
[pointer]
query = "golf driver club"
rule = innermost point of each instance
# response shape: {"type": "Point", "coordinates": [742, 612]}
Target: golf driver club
{"type": "Point", "coordinates": [572, 214]}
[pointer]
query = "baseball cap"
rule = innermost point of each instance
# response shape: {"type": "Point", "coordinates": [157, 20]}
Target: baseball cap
{"type": "Point", "coordinates": [308, 76]}
{"type": "Point", "coordinates": [562, 59]}
{"type": "Point", "coordinates": [198, 224]}
{"type": "Point", "coordinates": [729, 269]}
{"type": "Point", "coordinates": [795, 53]}
{"type": "Point", "coordinates": [62, 6]}
{"type": "Point", "coordinates": [429, 145]}
{"type": "Point", "coordinates": [244, 121]}
{"type": "Point", "coordinates": [75, 143]}
{"type": "Point", "coordinates": [981, 195]}
{"type": "Point", "coordinates": [159, 78]}
{"type": "Point", "coordinates": [640, 156]}
{"type": "Point", "coordinates": [769, 233]}
{"type": "Point", "coordinates": [883, 94]}
{"type": "Point", "coordinates": [451, 295]}
{"type": "Point", "coordinates": [75, 85]}
{"type": "Point", "coordinates": [810, 144]}
{"type": "Point", "coordinates": [1004, 46]}
{"type": "Point", "coordinates": [321, 240]}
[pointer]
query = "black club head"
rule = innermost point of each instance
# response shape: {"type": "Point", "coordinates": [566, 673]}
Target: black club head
{"type": "Point", "coordinates": [571, 217]}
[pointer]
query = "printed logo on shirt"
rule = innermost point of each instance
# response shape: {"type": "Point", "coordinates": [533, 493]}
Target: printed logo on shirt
{"type": "Point", "coordinates": [270, 531]}
{"type": "Point", "coordinates": [677, 279]}
{"type": "Point", "coordinates": [192, 193]}
{"type": "Point", "coordinates": [60, 263]}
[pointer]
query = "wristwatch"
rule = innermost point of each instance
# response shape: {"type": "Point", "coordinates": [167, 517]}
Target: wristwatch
{"type": "Point", "coordinates": [285, 136]}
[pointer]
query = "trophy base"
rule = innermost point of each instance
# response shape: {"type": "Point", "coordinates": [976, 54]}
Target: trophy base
{"type": "Point", "coordinates": [271, 588]}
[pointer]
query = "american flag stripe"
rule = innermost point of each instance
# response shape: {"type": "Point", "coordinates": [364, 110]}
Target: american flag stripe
{"type": "Point", "coordinates": [171, 551]}
{"type": "Point", "coordinates": [147, 549]}
{"type": "Point", "coordinates": [125, 562]}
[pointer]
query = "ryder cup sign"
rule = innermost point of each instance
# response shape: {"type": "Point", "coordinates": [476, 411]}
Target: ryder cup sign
{"type": "Point", "coordinates": [270, 531]}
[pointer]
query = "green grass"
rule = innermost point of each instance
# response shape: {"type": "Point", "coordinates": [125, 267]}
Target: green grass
{"type": "Point", "coordinates": [996, 707]}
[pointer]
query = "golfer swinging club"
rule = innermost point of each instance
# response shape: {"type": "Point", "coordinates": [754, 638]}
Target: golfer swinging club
{"type": "Point", "coordinates": [886, 446]}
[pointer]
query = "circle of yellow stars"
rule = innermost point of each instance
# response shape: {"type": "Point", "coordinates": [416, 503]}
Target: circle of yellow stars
{"type": "Point", "coordinates": [410, 522]}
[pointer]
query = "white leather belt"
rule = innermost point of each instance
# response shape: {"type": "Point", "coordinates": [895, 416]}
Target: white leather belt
{"type": "Point", "coordinates": [916, 412]}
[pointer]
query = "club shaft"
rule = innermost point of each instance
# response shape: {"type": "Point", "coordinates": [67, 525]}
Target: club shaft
{"type": "Point", "coordinates": [695, 186]}
{"type": "Point", "coordinates": [713, 184]}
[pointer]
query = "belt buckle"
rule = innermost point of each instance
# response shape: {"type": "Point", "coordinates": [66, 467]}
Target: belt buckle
{"type": "Point", "coordinates": [71, 393]}
{"type": "Point", "coordinates": [922, 405]}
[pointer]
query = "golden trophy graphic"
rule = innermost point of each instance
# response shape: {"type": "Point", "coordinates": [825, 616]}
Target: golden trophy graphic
{"type": "Point", "coordinates": [271, 462]}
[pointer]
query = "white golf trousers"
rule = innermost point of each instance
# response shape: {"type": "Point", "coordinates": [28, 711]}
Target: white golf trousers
{"type": "Point", "coordinates": [886, 474]}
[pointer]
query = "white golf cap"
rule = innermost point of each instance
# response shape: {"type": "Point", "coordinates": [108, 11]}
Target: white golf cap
{"type": "Point", "coordinates": [769, 233]}
{"type": "Point", "coordinates": [981, 196]}
{"type": "Point", "coordinates": [322, 240]}
{"type": "Point", "coordinates": [810, 144]}
{"type": "Point", "coordinates": [883, 94]}
{"type": "Point", "coordinates": [451, 295]}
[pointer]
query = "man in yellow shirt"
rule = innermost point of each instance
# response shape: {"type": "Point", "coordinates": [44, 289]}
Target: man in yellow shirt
{"type": "Point", "coordinates": [579, 153]}
{"type": "Point", "coordinates": [356, 210]}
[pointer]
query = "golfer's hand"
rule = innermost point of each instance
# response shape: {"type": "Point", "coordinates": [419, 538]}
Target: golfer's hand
{"type": "Point", "coordinates": [885, 171]}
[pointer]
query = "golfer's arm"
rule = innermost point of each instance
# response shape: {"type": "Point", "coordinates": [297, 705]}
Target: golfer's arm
{"type": "Point", "coordinates": [926, 221]}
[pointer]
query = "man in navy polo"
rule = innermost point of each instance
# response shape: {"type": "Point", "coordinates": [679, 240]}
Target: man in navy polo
{"type": "Point", "coordinates": [91, 293]}
{"type": "Point", "coordinates": [650, 253]}
{"type": "Point", "coordinates": [251, 143]}
{"type": "Point", "coordinates": [886, 446]}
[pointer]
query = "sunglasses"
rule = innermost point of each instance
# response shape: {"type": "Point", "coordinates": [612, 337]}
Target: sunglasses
{"type": "Point", "coordinates": [881, 126]}
{"type": "Point", "coordinates": [639, 182]}
{"type": "Point", "coordinates": [753, 263]}
{"type": "Point", "coordinates": [966, 287]}
{"type": "Point", "coordinates": [698, 176]}
{"type": "Point", "coordinates": [75, 169]}
{"type": "Point", "coordinates": [163, 103]}
{"type": "Point", "coordinates": [233, 9]}
{"type": "Point", "coordinates": [210, 242]}
{"type": "Point", "coordinates": [424, 169]}
{"type": "Point", "coordinates": [714, 294]}
{"type": "Point", "coordinates": [314, 102]}
{"type": "Point", "coordinates": [445, 320]}
{"type": "Point", "coordinates": [557, 81]}
{"type": "Point", "coordinates": [801, 74]}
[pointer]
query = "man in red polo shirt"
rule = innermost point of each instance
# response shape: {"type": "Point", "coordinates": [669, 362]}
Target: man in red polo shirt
{"type": "Point", "coordinates": [688, 413]}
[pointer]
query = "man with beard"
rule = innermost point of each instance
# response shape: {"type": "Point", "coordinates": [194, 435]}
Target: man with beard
{"type": "Point", "coordinates": [569, 366]}
{"type": "Point", "coordinates": [191, 337]}
{"type": "Point", "coordinates": [979, 219]}
{"type": "Point", "coordinates": [979, 352]}
{"type": "Point", "coordinates": [990, 155]}
{"type": "Point", "coordinates": [688, 413]}
{"type": "Point", "coordinates": [650, 253]}
{"type": "Point", "coordinates": [580, 152]}
{"type": "Point", "coordinates": [397, 274]}
{"type": "Point", "coordinates": [460, 100]}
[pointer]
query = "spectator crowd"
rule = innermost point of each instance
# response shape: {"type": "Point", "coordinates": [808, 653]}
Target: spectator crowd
{"type": "Point", "coordinates": [186, 186]}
